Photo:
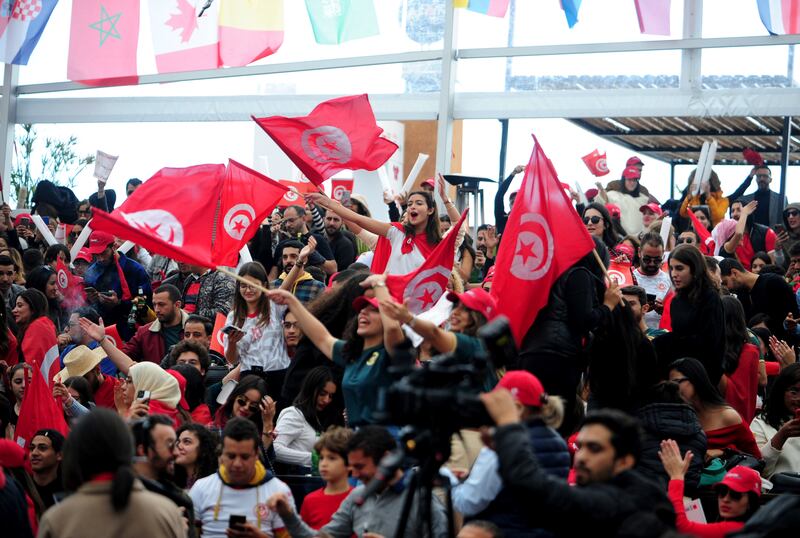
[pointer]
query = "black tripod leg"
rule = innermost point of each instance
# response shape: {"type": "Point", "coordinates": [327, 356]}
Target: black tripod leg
{"type": "Point", "coordinates": [411, 489]}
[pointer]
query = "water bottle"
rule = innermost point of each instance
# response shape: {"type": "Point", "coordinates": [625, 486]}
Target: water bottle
{"type": "Point", "coordinates": [133, 315]}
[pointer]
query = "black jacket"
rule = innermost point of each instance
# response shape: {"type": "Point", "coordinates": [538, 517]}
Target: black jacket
{"type": "Point", "coordinates": [627, 505]}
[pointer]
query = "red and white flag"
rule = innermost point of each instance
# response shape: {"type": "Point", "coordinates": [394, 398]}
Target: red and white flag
{"type": "Point", "coordinates": [40, 348]}
{"type": "Point", "coordinates": [340, 134]}
{"type": "Point", "coordinates": [653, 16]}
{"type": "Point", "coordinates": [295, 193]}
{"type": "Point", "coordinates": [70, 286]}
{"type": "Point", "coordinates": [543, 238]}
{"type": "Point", "coordinates": [707, 244]}
{"type": "Point", "coordinates": [113, 336]}
{"type": "Point", "coordinates": [247, 199]}
{"type": "Point", "coordinates": [341, 189]}
{"type": "Point", "coordinates": [172, 213]}
{"type": "Point", "coordinates": [181, 40]}
{"type": "Point", "coordinates": [621, 273]}
{"type": "Point", "coordinates": [103, 39]}
{"type": "Point", "coordinates": [38, 411]}
{"type": "Point", "coordinates": [596, 163]}
{"type": "Point", "coordinates": [217, 342]}
{"type": "Point", "coordinates": [423, 287]}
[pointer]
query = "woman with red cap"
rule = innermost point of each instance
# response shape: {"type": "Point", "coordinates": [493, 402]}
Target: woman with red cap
{"type": "Point", "coordinates": [738, 495]}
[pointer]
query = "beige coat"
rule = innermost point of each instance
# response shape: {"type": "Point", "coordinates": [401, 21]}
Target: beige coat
{"type": "Point", "coordinates": [88, 512]}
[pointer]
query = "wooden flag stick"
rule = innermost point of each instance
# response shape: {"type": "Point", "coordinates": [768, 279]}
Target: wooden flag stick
{"type": "Point", "coordinates": [602, 265]}
{"type": "Point", "coordinates": [242, 279]}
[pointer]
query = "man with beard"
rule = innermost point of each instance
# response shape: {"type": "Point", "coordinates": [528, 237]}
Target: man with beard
{"type": "Point", "coordinates": [85, 362]}
{"type": "Point", "coordinates": [296, 227]}
{"type": "Point", "coordinates": [154, 462]}
{"type": "Point", "coordinates": [151, 341]}
{"type": "Point", "coordinates": [636, 298]}
{"type": "Point", "coordinates": [305, 288]}
{"type": "Point", "coordinates": [770, 204]}
{"type": "Point", "coordinates": [75, 336]}
{"type": "Point", "coordinates": [341, 241]}
{"type": "Point", "coordinates": [651, 277]}
{"type": "Point", "coordinates": [45, 450]}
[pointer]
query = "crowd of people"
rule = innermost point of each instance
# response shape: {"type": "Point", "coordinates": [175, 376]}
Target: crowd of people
{"type": "Point", "coordinates": [197, 402]}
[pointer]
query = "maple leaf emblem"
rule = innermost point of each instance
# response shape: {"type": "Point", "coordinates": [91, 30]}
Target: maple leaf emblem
{"type": "Point", "coordinates": [185, 20]}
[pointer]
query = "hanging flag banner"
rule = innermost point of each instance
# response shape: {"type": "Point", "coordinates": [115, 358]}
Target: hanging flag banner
{"type": "Point", "coordinates": [337, 21]}
{"type": "Point", "coordinates": [249, 30]}
{"type": "Point", "coordinates": [21, 25]}
{"type": "Point", "coordinates": [103, 165]}
{"type": "Point", "coordinates": [653, 16]}
{"type": "Point", "coordinates": [571, 8]}
{"type": "Point", "coordinates": [493, 8]}
{"type": "Point", "coordinates": [181, 40]}
{"type": "Point", "coordinates": [780, 16]}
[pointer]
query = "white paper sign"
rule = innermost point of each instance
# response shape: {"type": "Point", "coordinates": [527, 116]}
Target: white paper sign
{"type": "Point", "coordinates": [666, 224]}
{"type": "Point", "coordinates": [437, 315]}
{"type": "Point", "coordinates": [103, 165]}
{"type": "Point", "coordinates": [412, 176]}
{"type": "Point", "coordinates": [694, 510]}
{"type": "Point", "coordinates": [125, 247]}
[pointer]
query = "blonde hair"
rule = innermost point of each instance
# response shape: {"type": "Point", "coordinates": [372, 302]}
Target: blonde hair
{"type": "Point", "coordinates": [552, 411]}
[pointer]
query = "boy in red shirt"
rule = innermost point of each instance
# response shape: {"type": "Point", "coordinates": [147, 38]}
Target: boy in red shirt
{"type": "Point", "coordinates": [320, 505]}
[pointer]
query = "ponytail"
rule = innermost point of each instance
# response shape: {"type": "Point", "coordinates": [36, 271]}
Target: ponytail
{"type": "Point", "coordinates": [121, 487]}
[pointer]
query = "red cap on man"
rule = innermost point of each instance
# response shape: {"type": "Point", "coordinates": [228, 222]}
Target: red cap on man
{"type": "Point", "coordinates": [99, 241]}
{"type": "Point", "coordinates": [633, 161]}
{"type": "Point", "coordinates": [632, 172]}
{"type": "Point", "coordinates": [524, 387]}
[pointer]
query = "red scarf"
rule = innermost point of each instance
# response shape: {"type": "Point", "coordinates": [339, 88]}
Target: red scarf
{"type": "Point", "coordinates": [126, 291]}
{"type": "Point", "coordinates": [383, 250]}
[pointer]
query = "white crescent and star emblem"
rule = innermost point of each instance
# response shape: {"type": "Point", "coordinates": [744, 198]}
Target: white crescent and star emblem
{"type": "Point", "coordinates": [338, 192]}
{"type": "Point", "coordinates": [425, 289]}
{"type": "Point", "coordinates": [220, 340]}
{"type": "Point", "coordinates": [533, 253]}
{"type": "Point", "coordinates": [602, 164]}
{"type": "Point", "coordinates": [238, 219]}
{"type": "Point", "coordinates": [616, 276]}
{"type": "Point", "coordinates": [327, 144]}
{"type": "Point", "coordinates": [291, 195]}
{"type": "Point", "coordinates": [63, 281]}
{"type": "Point", "coordinates": [158, 222]}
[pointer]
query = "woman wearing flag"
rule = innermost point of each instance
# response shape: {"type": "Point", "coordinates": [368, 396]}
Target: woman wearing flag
{"type": "Point", "coordinates": [44, 279]}
{"type": "Point", "coordinates": [37, 334]}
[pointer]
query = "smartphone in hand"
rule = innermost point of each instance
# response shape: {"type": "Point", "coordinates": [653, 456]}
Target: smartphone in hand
{"type": "Point", "coordinates": [236, 522]}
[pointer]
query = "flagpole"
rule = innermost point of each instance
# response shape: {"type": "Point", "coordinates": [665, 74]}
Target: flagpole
{"type": "Point", "coordinates": [243, 280]}
{"type": "Point", "coordinates": [601, 264]}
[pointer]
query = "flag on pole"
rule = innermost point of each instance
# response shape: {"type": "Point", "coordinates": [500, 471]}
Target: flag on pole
{"type": "Point", "coordinates": [341, 189]}
{"type": "Point", "coordinates": [21, 25]}
{"type": "Point", "coordinates": [337, 21]}
{"type": "Point", "coordinates": [543, 238]}
{"type": "Point", "coordinates": [339, 134]}
{"type": "Point", "coordinates": [493, 8]}
{"type": "Point", "coordinates": [424, 286]}
{"type": "Point", "coordinates": [780, 16]}
{"type": "Point", "coordinates": [38, 411]}
{"type": "Point", "coordinates": [296, 191]}
{"type": "Point", "coordinates": [596, 163]}
{"type": "Point", "coordinates": [217, 342]}
{"type": "Point", "coordinates": [181, 40]}
{"type": "Point", "coordinates": [104, 36]}
{"type": "Point", "coordinates": [70, 286]}
{"type": "Point", "coordinates": [40, 347]}
{"type": "Point", "coordinates": [571, 8]}
{"type": "Point", "coordinates": [249, 30]}
{"type": "Point", "coordinates": [707, 244]}
{"type": "Point", "coordinates": [621, 273]}
{"type": "Point", "coordinates": [653, 16]}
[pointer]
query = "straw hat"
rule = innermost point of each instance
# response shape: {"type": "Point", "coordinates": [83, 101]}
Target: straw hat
{"type": "Point", "coordinates": [80, 361]}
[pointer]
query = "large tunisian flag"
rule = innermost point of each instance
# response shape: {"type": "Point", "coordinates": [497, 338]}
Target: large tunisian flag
{"type": "Point", "coordinates": [542, 239]}
{"type": "Point", "coordinates": [340, 134]}
{"type": "Point", "coordinates": [39, 410]}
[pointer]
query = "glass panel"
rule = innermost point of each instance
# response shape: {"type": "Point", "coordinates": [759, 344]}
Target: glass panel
{"type": "Point", "coordinates": [746, 67]}
{"type": "Point", "coordinates": [731, 18]}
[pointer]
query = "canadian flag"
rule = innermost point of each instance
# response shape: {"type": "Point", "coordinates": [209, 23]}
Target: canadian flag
{"type": "Point", "coordinates": [70, 286]}
{"type": "Point", "coordinates": [422, 288]}
{"type": "Point", "coordinates": [296, 191]}
{"type": "Point", "coordinates": [40, 347]}
{"type": "Point", "coordinates": [596, 163]}
{"type": "Point", "coordinates": [181, 40]}
{"type": "Point", "coordinates": [217, 342]}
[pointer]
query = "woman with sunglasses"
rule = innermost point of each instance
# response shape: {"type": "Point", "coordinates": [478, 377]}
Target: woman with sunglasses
{"type": "Point", "coordinates": [789, 233]}
{"type": "Point", "coordinates": [777, 428]}
{"type": "Point", "coordinates": [738, 495]}
{"type": "Point", "coordinates": [598, 223]}
{"type": "Point", "coordinates": [249, 400]}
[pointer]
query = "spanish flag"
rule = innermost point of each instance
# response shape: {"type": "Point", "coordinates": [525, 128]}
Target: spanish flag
{"type": "Point", "coordinates": [249, 30]}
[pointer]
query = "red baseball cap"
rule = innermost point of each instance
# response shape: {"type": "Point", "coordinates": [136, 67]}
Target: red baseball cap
{"type": "Point", "coordinates": [634, 161]}
{"type": "Point", "coordinates": [99, 241]}
{"type": "Point", "coordinates": [18, 218]}
{"type": "Point", "coordinates": [591, 194]}
{"type": "Point", "coordinates": [742, 479]}
{"type": "Point", "coordinates": [614, 209]}
{"type": "Point", "coordinates": [477, 299]}
{"type": "Point", "coordinates": [524, 386]}
{"type": "Point", "coordinates": [83, 254]}
{"type": "Point", "coordinates": [652, 206]}
{"type": "Point", "coordinates": [363, 301]}
{"type": "Point", "coordinates": [631, 172]}
{"type": "Point", "coordinates": [430, 182]}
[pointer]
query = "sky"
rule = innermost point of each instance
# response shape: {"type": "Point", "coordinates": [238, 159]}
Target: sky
{"type": "Point", "coordinates": [146, 147]}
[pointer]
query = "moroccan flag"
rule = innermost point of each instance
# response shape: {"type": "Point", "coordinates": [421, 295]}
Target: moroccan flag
{"type": "Point", "coordinates": [621, 273]}
{"type": "Point", "coordinates": [707, 244]}
{"type": "Point", "coordinates": [340, 134]}
{"type": "Point", "coordinates": [70, 286]}
{"type": "Point", "coordinates": [181, 40]}
{"type": "Point", "coordinates": [39, 410]}
{"type": "Point", "coordinates": [337, 21]}
{"type": "Point", "coordinates": [40, 347]}
{"type": "Point", "coordinates": [247, 199]}
{"type": "Point", "coordinates": [543, 238]}
{"type": "Point", "coordinates": [103, 39]}
{"type": "Point", "coordinates": [780, 16]}
{"type": "Point", "coordinates": [493, 8]}
{"type": "Point", "coordinates": [249, 30]}
{"type": "Point", "coordinates": [653, 16]}
{"type": "Point", "coordinates": [341, 189]}
{"type": "Point", "coordinates": [571, 8]}
{"type": "Point", "coordinates": [217, 343]}
{"type": "Point", "coordinates": [21, 25]}
{"type": "Point", "coordinates": [171, 214]}
{"type": "Point", "coordinates": [596, 163]}
{"type": "Point", "coordinates": [295, 192]}
{"type": "Point", "coordinates": [423, 287]}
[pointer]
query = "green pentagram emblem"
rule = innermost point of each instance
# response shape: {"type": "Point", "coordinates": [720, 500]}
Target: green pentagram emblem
{"type": "Point", "coordinates": [106, 20]}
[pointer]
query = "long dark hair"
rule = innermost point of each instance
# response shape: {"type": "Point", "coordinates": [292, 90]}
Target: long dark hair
{"type": "Point", "coordinates": [695, 372]}
{"type": "Point", "coordinates": [257, 271]}
{"type": "Point", "coordinates": [735, 333]}
{"type": "Point", "coordinates": [195, 389]}
{"type": "Point", "coordinates": [610, 237]}
{"type": "Point", "coordinates": [81, 386]}
{"type": "Point", "coordinates": [38, 279]}
{"type": "Point", "coordinates": [432, 232]}
{"type": "Point", "coordinates": [246, 383]}
{"type": "Point", "coordinates": [207, 460]}
{"type": "Point", "coordinates": [701, 281]}
{"type": "Point", "coordinates": [306, 400]}
{"type": "Point", "coordinates": [37, 302]}
{"type": "Point", "coordinates": [775, 412]}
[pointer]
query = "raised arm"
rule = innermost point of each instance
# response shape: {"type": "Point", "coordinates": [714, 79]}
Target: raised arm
{"type": "Point", "coordinates": [311, 326]}
{"type": "Point", "coordinates": [738, 234]}
{"type": "Point", "coordinates": [393, 334]}
{"type": "Point", "coordinates": [369, 224]}
{"type": "Point", "coordinates": [299, 265]}
{"type": "Point", "coordinates": [98, 333]}
{"type": "Point", "coordinates": [443, 341]}
{"type": "Point", "coordinates": [449, 206]}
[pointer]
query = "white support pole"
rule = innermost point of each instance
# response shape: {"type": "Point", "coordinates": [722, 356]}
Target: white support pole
{"type": "Point", "coordinates": [444, 130]}
{"type": "Point", "coordinates": [691, 74]}
{"type": "Point", "coordinates": [8, 120]}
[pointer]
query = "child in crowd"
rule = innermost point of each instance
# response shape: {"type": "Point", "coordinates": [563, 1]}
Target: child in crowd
{"type": "Point", "coordinates": [320, 505]}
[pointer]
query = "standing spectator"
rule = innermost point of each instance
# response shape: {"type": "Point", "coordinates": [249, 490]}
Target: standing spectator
{"type": "Point", "coordinates": [341, 241]}
{"type": "Point", "coordinates": [651, 277]}
{"type": "Point", "coordinates": [598, 223]}
{"type": "Point", "coordinates": [294, 254]}
{"type": "Point", "coordinates": [629, 199]}
{"type": "Point", "coordinates": [97, 466]}
{"type": "Point", "coordinates": [297, 228]}
{"type": "Point", "coordinates": [18, 378]}
{"type": "Point", "coordinates": [248, 400]}
{"type": "Point", "coordinates": [320, 505]}
{"type": "Point", "coordinates": [739, 382]}
{"type": "Point", "coordinates": [636, 298]}
{"type": "Point", "coordinates": [37, 334]}
{"type": "Point", "coordinates": [151, 341]}
{"type": "Point", "coordinates": [777, 428]}
{"type": "Point", "coordinates": [500, 215]}
{"type": "Point", "coordinates": [770, 203]}
{"type": "Point", "coordinates": [45, 447]}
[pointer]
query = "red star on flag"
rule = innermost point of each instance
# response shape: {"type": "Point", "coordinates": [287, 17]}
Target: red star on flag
{"type": "Point", "coordinates": [426, 299]}
{"type": "Point", "coordinates": [526, 251]}
{"type": "Point", "coordinates": [238, 226]}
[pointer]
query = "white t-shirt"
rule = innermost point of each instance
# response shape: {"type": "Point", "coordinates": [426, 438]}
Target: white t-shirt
{"type": "Point", "coordinates": [262, 345]}
{"type": "Point", "coordinates": [399, 263]}
{"type": "Point", "coordinates": [658, 285]}
{"type": "Point", "coordinates": [248, 502]}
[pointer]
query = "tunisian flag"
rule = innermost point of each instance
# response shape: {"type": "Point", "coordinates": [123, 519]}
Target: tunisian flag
{"type": "Point", "coordinates": [217, 342]}
{"type": "Point", "coordinates": [340, 134]}
{"type": "Point", "coordinates": [295, 192]}
{"type": "Point", "coordinates": [707, 244]}
{"type": "Point", "coordinates": [542, 239]}
{"type": "Point", "coordinates": [39, 410]}
{"type": "Point", "coordinates": [621, 273]}
{"type": "Point", "coordinates": [247, 199]}
{"type": "Point", "coordinates": [596, 163]}
{"type": "Point", "coordinates": [172, 213]}
{"type": "Point", "coordinates": [423, 287]}
{"type": "Point", "coordinates": [70, 286]}
{"type": "Point", "coordinates": [40, 347]}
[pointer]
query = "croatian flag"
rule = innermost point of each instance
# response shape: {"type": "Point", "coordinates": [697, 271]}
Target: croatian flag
{"type": "Point", "coordinates": [780, 16]}
{"type": "Point", "coordinates": [21, 25]}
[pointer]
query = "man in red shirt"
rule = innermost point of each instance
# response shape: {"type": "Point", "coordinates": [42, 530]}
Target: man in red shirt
{"type": "Point", "coordinates": [85, 362]}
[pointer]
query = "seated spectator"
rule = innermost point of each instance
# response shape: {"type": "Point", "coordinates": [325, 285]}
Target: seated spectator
{"type": "Point", "coordinates": [194, 393]}
{"type": "Point", "coordinates": [248, 400]}
{"type": "Point", "coordinates": [760, 260]}
{"type": "Point", "coordinates": [738, 495]}
{"type": "Point", "coordinates": [480, 529]}
{"type": "Point", "coordinates": [189, 352]}
{"type": "Point", "coordinates": [163, 389]}
{"type": "Point", "coordinates": [195, 454]}
{"type": "Point", "coordinates": [777, 428]}
{"type": "Point", "coordinates": [75, 396]}
{"type": "Point", "coordinates": [18, 377]}
{"type": "Point", "coordinates": [46, 453]}
{"type": "Point", "coordinates": [724, 427]}
{"type": "Point", "coordinates": [320, 505]}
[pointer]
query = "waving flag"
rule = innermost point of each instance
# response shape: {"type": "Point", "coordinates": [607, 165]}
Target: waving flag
{"type": "Point", "coordinates": [493, 8]}
{"type": "Point", "coordinates": [337, 21]}
{"type": "Point", "coordinates": [621, 273]}
{"type": "Point", "coordinates": [422, 288]}
{"type": "Point", "coordinates": [40, 348]}
{"type": "Point", "coordinates": [217, 342]}
{"type": "Point", "coordinates": [341, 189]}
{"type": "Point", "coordinates": [780, 16]}
{"type": "Point", "coordinates": [571, 8]}
{"type": "Point", "coordinates": [181, 40]}
{"type": "Point", "coordinates": [103, 39]}
{"type": "Point", "coordinates": [21, 25]}
{"type": "Point", "coordinates": [70, 286]}
{"type": "Point", "coordinates": [543, 238]}
{"type": "Point", "coordinates": [247, 199]}
{"type": "Point", "coordinates": [653, 16]}
{"type": "Point", "coordinates": [340, 134]}
{"type": "Point", "coordinates": [39, 410]}
{"type": "Point", "coordinates": [296, 191]}
{"type": "Point", "coordinates": [249, 30]}
{"type": "Point", "coordinates": [172, 213]}
{"type": "Point", "coordinates": [596, 163]}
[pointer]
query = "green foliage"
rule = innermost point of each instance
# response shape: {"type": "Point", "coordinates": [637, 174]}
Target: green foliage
{"type": "Point", "coordinates": [57, 161]}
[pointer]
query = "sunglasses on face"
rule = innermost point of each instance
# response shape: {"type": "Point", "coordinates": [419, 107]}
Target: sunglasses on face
{"type": "Point", "coordinates": [651, 259]}
{"type": "Point", "coordinates": [593, 220]}
{"type": "Point", "coordinates": [724, 491]}
{"type": "Point", "coordinates": [244, 402]}
{"type": "Point", "coordinates": [792, 213]}
{"type": "Point", "coordinates": [687, 240]}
